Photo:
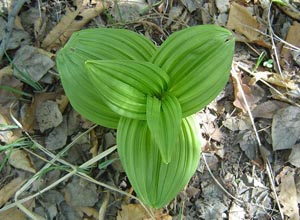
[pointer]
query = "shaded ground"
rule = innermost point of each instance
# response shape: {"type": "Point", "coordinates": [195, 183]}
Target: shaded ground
{"type": "Point", "coordinates": [51, 158]}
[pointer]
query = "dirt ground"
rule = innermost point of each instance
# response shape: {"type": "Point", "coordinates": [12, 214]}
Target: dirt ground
{"type": "Point", "coordinates": [56, 165]}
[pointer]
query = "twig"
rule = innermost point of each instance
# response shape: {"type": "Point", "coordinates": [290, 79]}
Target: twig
{"type": "Point", "coordinates": [272, 40]}
{"type": "Point", "coordinates": [266, 161]}
{"type": "Point", "coordinates": [218, 183]}
{"type": "Point", "coordinates": [267, 84]}
{"type": "Point", "coordinates": [102, 210]}
{"type": "Point", "coordinates": [73, 171]}
{"type": "Point", "coordinates": [9, 25]}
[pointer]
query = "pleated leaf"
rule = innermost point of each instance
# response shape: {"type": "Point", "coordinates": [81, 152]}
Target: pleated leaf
{"type": "Point", "coordinates": [164, 120]}
{"type": "Point", "coordinates": [100, 44]}
{"type": "Point", "coordinates": [124, 85]}
{"type": "Point", "coordinates": [198, 60]}
{"type": "Point", "coordinates": [155, 182]}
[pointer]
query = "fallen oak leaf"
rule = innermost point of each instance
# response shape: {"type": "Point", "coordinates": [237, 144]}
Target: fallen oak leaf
{"type": "Point", "coordinates": [243, 22]}
{"type": "Point", "coordinates": [71, 22]}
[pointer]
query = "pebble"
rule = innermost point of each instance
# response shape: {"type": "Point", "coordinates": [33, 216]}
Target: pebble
{"type": "Point", "coordinates": [223, 5]}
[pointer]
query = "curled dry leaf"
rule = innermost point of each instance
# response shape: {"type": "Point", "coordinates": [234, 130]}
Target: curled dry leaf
{"type": "Point", "coordinates": [72, 21]}
{"type": "Point", "coordinates": [252, 93]}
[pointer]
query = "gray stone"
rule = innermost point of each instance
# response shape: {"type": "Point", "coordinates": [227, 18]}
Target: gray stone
{"type": "Point", "coordinates": [223, 5]}
{"type": "Point", "coordinates": [48, 115]}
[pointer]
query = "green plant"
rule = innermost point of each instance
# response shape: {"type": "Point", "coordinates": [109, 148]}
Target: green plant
{"type": "Point", "coordinates": [119, 79]}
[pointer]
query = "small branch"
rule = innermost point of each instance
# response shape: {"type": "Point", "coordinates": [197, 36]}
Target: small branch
{"type": "Point", "coordinates": [9, 25]}
{"type": "Point", "coordinates": [266, 161]}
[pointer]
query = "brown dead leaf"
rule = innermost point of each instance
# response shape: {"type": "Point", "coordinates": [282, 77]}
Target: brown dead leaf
{"type": "Point", "coordinates": [88, 211]}
{"type": "Point", "coordinates": [62, 101]}
{"type": "Point", "coordinates": [28, 117]}
{"type": "Point", "coordinates": [12, 214]}
{"type": "Point", "coordinates": [239, 101]}
{"type": "Point", "coordinates": [288, 194]}
{"type": "Point", "coordinates": [71, 22]}
{"type": "Point", "coordinates": [243, 22]}
{"type": "Point", "coordinates": [20, 160]}
{"type": "Point", "coordinates": [275, 79]}
{"type": "Point", "coordinates": [137, 212]}
{"type": "Point", "coordinates": [293, 39]}
{"type": "Point", "coordinates": [10, 189]}
{"type": "Point", "coordinates": [94, 143]}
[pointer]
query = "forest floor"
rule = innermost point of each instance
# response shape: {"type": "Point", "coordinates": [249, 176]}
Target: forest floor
{"type": "Point", "coordinates": [54, 164]}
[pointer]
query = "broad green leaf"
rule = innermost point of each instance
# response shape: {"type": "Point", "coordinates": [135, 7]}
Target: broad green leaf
{"type": "Point", "coordinates": [81, 94]}
{"type": "Point", "coordinates": [101, 44]}
{"type": "Point", "coordinates": [164, 121]}
{"type": "Point", "coordinates": [155, 182]}
{"type": "Point", "coordinates": [198, 60]}
{"type": "Point", "coordinates": [124, 85]}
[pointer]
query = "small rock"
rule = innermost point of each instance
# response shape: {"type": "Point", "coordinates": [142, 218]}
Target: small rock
{"type": "Point", "coordinates": [236, 212]}
{"type": "Point", "coordinates": [294, 157]}
{"type": "Point", "coordinates": [296, 56]}
{"type": "Point", "coordinates": [117, 165]}
{"type": "Point", "coordinates": [18, 37]}
{"type": "Point", "coordinates": [223, 5]}
{"type": "Point", "coordinates": [286, 128]}
{"type": "Point", "coordinates": [73, 122]}
{"type": "Point", "coordinates": [58, 137]}
{"type": "Point", "coordinates": [222, 19]}
{"type": "Point", "coordinates": [126, 11]}
{"type": "Point", "coordinates": [109, 140]}
{"type": "Point", "coordinates": [29, 60]}
{"type": "Point", "coordinates": [67, 212]}
{"type": "Point", "coordinates": [48, 115]}
{"type": "Point", "coordinates": [174, 13]}
{"type": "Point", "coordinates": [192, 5]}
{"type": "Point", "coordinates": [81, 193]}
